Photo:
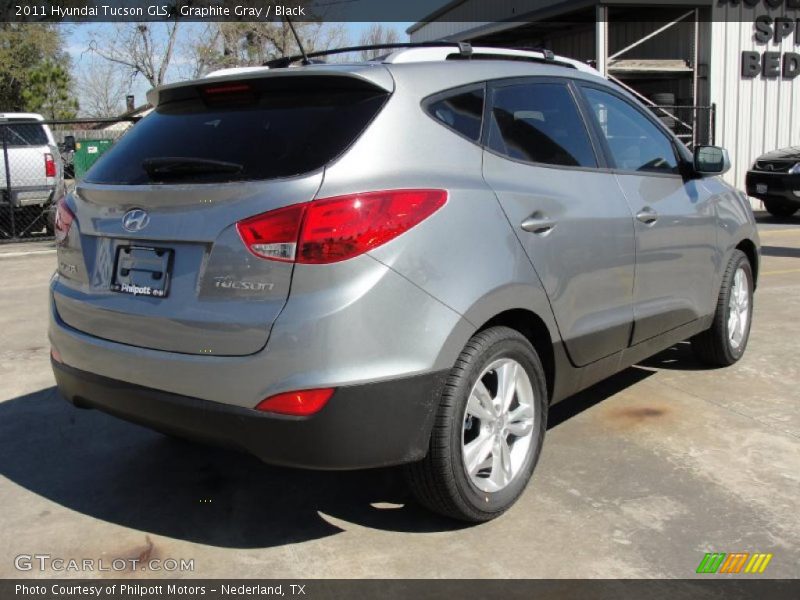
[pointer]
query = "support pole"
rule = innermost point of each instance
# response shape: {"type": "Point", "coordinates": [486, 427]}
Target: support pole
{"type": "Point", "coordinates": [601, 39]}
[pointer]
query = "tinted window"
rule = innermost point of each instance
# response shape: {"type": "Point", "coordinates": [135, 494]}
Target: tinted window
{"type": "Point", "coordinates": [636, 143]}
{"type": "Point", "coordinates": [539, 122]}
{"type": "Point", "coordinates": [462, 112]}
{"type": "Point", "coordinates": [23, 134]}
{"type": "Point", "coordinates": [274, 134]}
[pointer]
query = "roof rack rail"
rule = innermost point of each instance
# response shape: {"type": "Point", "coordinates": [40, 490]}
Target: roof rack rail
{"type": "Point", "coordinates": [464, 49]}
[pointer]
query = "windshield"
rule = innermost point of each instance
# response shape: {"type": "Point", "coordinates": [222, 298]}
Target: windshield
{"type": "Point", "coordinates": [273, 135]}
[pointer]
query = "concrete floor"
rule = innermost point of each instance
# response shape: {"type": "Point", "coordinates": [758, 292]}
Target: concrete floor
{"type": "Point", "coordinates": [639, 476]}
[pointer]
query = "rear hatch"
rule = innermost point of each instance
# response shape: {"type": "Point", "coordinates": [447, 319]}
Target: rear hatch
{"type": "Point", "coordinates": [153, 257]}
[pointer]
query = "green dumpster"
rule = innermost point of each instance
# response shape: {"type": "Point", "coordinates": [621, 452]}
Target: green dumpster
{"type": "Point", "coordinates": [86, 154]}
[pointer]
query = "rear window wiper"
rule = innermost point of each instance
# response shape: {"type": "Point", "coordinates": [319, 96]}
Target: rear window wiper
{"type": "Point", "coordinates": [176, 166]}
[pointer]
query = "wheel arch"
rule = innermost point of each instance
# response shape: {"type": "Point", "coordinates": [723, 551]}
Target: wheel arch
{"type": "Point", "coordinates": [751, 252]}
{"type": "Point", "coordinates": [533, 327]}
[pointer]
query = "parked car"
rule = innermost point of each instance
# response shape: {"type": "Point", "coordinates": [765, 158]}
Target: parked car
{"type": "Point", "coordinates": [35, 172]}
{"type": "Point", "coordinates": [405, 261]}
{"type": "Point", "coordinates": [775, 180]}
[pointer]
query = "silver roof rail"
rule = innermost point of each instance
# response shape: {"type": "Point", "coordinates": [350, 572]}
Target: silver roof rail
{"type": "Point", "coordinates": [440, 53]}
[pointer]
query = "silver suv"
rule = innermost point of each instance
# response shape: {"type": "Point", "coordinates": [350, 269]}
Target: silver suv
{"type": "Point", "coordinates": [405, 261]}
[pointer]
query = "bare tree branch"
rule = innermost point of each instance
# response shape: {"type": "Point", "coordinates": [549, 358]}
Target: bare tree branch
{"type": "Point", "coordinates": [134, 45]}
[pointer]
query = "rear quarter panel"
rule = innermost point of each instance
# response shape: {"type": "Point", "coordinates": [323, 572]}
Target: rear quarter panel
{"type": "Point", "coordinates": [466, 254]}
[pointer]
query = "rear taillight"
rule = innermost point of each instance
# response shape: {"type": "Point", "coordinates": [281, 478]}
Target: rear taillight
{"type": "Point", "coordinates": [49, 165]}
{"type": "Point", "coordinates": [299, 404]}
{"type": "Point", "coordinates": [63, 220]}
{"type": "Point", "coordinates": [273, 235]}
{"type": "Point", "coordinates": [336, 229]}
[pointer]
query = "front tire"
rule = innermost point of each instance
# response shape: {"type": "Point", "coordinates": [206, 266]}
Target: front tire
{"type": "Point", "coordinates": [724, 343]}
{"type": "Point", "coordinates": [488, 432]}
{"type": "Point", "coordinates": [776, 209]}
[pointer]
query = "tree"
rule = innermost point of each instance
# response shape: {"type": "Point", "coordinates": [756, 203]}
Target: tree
{"type": "Point", "coordinates": [103, 89]}
{"type": "Point", "coordinates": [23, 50]}
{"type": "Point", "coordinates": [49, 91]}
{"type": "Point", "coordinates": [250, 44]}
{"type": "Point", "coordinates": [377, 34]}
{"type": "Point", "coordinates": [142, 48]}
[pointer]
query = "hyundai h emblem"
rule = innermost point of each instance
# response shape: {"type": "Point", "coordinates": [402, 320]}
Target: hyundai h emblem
{"type": "Point", "coordinates": [135, 220]}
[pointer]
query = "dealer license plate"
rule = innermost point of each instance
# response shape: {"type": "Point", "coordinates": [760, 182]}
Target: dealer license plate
{"type": "Point", "coordinates": [142, 271]}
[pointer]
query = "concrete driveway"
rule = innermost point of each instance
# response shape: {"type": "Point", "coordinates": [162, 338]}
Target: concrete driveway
{"type": "Point", "coordinates": [640, 476]}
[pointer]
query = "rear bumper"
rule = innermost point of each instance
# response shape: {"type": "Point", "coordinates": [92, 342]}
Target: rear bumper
{"type": "Point", "coordinates": [362, 426]}
{"type": "Point", "coordinates": [782, 188]}
{"type": "Point", "coordinates": [28, 195]}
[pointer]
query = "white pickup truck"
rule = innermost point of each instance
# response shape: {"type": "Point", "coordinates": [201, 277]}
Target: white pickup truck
{"type": "Point", "coordinates": [35, 172]}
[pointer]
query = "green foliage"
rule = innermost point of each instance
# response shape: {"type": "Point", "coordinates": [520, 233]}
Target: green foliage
{"type": "Point", "coordinates": [48, 92]}
{"type": "Point", "coordinates": [34, 71]}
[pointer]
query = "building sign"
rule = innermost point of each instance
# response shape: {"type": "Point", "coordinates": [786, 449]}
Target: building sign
{"type": "Point", "coordinates": [772, 64]}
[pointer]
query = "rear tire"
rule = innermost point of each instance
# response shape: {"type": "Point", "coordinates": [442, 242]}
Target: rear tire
{"type": "Point", "coordinates": [725, 342]}
{"type": "Point", "coordinates": [776, 209]}
{"type": "Point", "coordinates": [499, 434]}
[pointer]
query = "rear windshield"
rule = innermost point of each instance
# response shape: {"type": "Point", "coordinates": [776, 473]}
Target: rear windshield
{"type": "Point", "coordinates": [257, 136]}
{"type": "Point", "coordinates": [22, 134]}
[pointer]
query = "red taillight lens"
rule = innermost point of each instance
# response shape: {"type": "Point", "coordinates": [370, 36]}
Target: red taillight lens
{"type": "Point", "coordinates": [299, 404]}
{"type": "Point", "coordinates": [335, 229]}
{"type": "Point", "coordinates": [49, 165]}
{"type": "Point", "coordinates": [340, 228]}
{"type": "Point", "coordinates": [273, 235]}
{"type": "Point", "coordinates": [63, 220]}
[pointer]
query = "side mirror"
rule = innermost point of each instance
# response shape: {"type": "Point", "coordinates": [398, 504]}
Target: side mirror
{"type": "Point", "coordinates": [69, 143]}
{"type": "Point", "coordinates": [711, 160]}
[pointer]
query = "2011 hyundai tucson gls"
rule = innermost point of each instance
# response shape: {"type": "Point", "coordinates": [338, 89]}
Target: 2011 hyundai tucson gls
{"type": "Point", "coordinates": [404, 261]}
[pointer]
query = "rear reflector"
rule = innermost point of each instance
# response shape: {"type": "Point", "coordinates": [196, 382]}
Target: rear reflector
{"type": "Point", "coordinates": [56, 355]}
{"type": "Point", "coordinates": [63, 220]}
{"type": "Point", "coordinates": [336, 229]}
{"type": "Point", "coordinates": [299, 404]}
{"type": "Point", "coordinates": [49, 165]}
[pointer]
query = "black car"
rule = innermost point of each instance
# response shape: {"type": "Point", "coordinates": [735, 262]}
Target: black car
{"type": "Point", "coordinates": [775, 180]}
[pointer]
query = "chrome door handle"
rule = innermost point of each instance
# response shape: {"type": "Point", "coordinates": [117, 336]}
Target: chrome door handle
{"type": "Point", "coordinates": [647, 216]}
{"type": "Point", "coordinates": [538, 224]}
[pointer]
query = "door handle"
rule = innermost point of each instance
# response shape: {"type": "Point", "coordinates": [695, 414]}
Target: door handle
{"type": "Point", "coordinates": [539, 224]}
{"type": "Point", "coordinates": [647, 216]}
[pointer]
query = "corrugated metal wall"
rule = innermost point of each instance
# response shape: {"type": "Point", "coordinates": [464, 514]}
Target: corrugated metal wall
{"type": "Point", "coordinates": [755, 115]}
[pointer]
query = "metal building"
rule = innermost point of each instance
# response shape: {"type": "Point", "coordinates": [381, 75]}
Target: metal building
{"type": "Point", "coordinates": [715, 71]}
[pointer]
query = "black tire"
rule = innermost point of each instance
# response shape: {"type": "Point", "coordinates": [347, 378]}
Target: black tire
{"type": "Point", "coordinates": [777, 209]}
{"type": "Point", "coordinates": [440, 482]}
{"type": "Point", "coordinates": [714, 347]}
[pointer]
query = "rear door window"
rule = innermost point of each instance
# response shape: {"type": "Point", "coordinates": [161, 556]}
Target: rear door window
{"type": "Point", "coordinates": [461, 111]}
{"type": "Point", "coordinates": [22, 134]}
{"type": "Point", "coordinates": [253, 135]}
{"type": "Point", "coordinates": [539, 122]}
